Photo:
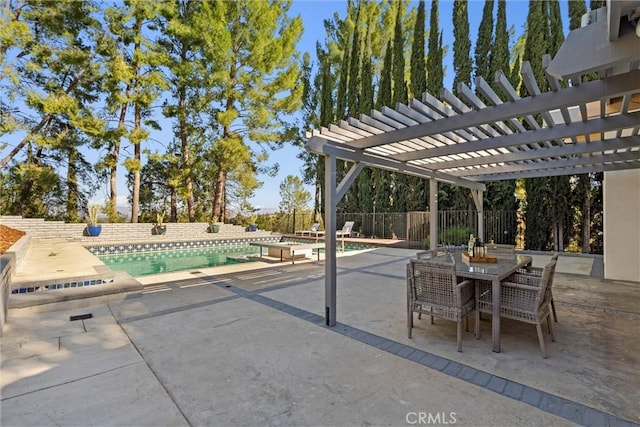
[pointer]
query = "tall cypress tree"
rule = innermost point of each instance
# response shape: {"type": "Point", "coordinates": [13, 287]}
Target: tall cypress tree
{"type": "Point", "coordinates": [483, 43]}
{"type": "Point", "coordinates": [597, 4]}
{"type": "Point", "coordinates": [462, 65]}
{"type": "Point", "coordinates": [435, 73]}
{"type": "Point", "coordinates": [500, 49]}
{"type": "Point", "coordinates": [384, 88]}
{"type": "Point", "coordinates": [577, 8]}
{"type": "Point", "coordinates": [538, 231]}
{"type": "Point", "coordinates": [514, 74]}
{"type": "Point", "coordinates": [341, 96]}
{"type": "Point", "coordinates": [583, 190]}
{"type": "Point", "coordinates": [366, 105]}
{"type": "Point", "coordinates": [534, 47]}
{"type": "Point", "coordinates": [399, 181]}
{"type": "Point", "coordinates": [501, 194]}
{"type": "Point", "coordinates": [379, 177]}
{"type": "Point", "coordinates": [418, 64]}
{"type": "Point", "coordinates": [561, 209]}
{"type": "Point", "coordinates": [416, 197]}
{"type": "Point", "coordinates": [399, 85]}
{"type": "Point", "coordinates": [366, 101]}
{"type": "Point", "coordinates": [327, 115]}
{"type": "Point", "coordinates": [555, 32]}
{"type": "Point", "coordinates": [355, 63]}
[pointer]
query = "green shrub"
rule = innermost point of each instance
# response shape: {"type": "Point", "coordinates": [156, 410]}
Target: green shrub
{"type": "Point", "coordinates": [457, 235]}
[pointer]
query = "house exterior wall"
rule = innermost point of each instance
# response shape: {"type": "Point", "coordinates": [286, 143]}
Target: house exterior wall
{"type": "Point", "coordinates": [622, 225]}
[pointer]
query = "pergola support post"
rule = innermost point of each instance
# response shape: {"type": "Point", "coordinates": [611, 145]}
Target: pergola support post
{"type": "Point", "coordinates": [478, 201]}
{"type": "Point", "coordinates": [433, 214]}
{"type": "Point", "coordinates": [332, 196]}
{"type": "Point", "coordinates": [330, 202]}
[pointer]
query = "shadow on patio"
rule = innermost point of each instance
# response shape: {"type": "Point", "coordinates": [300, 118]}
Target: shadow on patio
{"type": "Point", "coordinates": [249, 348]}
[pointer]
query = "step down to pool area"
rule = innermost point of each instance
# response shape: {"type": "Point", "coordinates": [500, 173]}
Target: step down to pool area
{"type": "Point", "coordinates": [42, 292]}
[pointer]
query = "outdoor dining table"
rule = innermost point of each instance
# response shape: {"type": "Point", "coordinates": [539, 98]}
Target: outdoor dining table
{"type": "Point", "coordinates": [493, 273]}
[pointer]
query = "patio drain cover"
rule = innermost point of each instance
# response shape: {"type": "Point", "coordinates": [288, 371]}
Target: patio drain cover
{"type": "Point", "coordinates": [81, 317]}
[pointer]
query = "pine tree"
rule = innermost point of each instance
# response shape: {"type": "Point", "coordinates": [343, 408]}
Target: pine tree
{"type": "Point", "coordinates": [248, 51]}
{"type": "Point", "coordinates": [435, 73]}
{"type": "Point", "coordinates": [132, 80]}
{"type": "Point", "coordinates": [294, 196]}
{"type": "Point", "coordinates": [54, 78]}
{"type": "Point", "coordinates": [462, 65]}
{"type": "Point", "coordinates": [482, 53]}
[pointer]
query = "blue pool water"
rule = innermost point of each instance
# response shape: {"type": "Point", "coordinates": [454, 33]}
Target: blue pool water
{"type": "Point", "coordinates": [145, 263]}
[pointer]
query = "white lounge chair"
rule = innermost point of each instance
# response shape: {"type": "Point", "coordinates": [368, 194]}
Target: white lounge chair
{"type": "Point", "coordinates": [313, 231]}
{"type": "Point", "coordinates": [346, 229]}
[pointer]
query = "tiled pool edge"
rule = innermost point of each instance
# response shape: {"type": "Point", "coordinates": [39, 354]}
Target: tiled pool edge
{"type": "Point", "coordinates": [125, 248]}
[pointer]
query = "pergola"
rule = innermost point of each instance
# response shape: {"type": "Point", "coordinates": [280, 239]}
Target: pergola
{"type": "Point", "coordinates": [494, 134]}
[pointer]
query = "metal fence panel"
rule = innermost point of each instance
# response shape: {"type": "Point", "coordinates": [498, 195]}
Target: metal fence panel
{"type": "Point", "coordinates": [454, 227]}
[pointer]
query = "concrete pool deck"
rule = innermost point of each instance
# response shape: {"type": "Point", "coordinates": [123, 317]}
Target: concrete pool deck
{"type": "Point", "coordinates": [250, 348]}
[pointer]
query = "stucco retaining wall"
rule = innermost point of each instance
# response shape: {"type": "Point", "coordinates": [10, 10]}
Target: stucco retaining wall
{"type": "Point", "coordinates": [41, 229]}
{"type": "Point", "coordinates": [9, 262]}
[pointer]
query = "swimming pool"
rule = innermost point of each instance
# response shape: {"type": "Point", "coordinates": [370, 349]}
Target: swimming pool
{"type": "Point", "coordinates": [145, 263]}
{"type": "Point", "coordinates": [143, 259]}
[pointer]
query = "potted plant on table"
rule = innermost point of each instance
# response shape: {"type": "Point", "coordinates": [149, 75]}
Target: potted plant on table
{"type": "Point", "coordinates": [159, 228]}
{"type": "Point", "coordinates": [93, 228]}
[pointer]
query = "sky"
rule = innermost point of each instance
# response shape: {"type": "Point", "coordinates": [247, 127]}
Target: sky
{"type": "Point", "coordinates": [313, 14]}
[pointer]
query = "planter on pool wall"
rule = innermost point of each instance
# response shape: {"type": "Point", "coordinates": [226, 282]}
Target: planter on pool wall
{"type": "Point", "coordinates": [94, 230]}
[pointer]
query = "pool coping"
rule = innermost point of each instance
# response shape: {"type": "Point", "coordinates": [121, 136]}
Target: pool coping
{"type": "Point", "coordinates": [113, 248]}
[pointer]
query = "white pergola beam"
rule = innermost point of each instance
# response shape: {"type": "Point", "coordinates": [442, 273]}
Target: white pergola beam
{"type": "Point", "coordinates": [546, 134]}
{"type": "Point", "coordinates": [322, 146]}
{"type": "Point", "coordinates": [598, 89]}
{"type": "Point", "coordinates": [556, 151]}
{"type": "Point", "coordinates": [550, 164]}
{"type": "Point", "coordinates": [538, 173]}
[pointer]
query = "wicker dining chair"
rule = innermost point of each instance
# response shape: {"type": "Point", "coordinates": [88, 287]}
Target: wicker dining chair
{"type": "Point", "coordinates": [523, 297]}
{"type": "Point", "coordinates": [537, 271]}
{"type": "Point", "coordinates": [433, 289]}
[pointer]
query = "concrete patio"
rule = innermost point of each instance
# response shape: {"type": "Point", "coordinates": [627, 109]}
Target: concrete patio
{"type": "Point", "coordinates": [221, 347]}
